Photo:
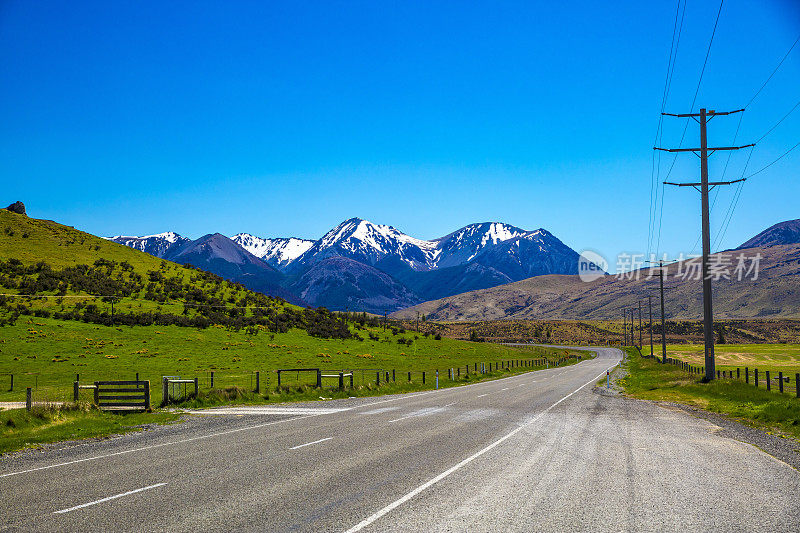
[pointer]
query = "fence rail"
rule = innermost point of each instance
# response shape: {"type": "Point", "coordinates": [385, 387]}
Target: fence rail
{"type": "Point", "coordinates": [769, 379]}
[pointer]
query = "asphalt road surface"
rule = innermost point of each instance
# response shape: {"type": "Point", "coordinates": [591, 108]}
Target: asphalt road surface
{"type": "Point", "coordinates": [534, 452]}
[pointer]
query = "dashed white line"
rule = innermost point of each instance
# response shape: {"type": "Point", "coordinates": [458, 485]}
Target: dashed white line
{"type": "Point", "coordinates": [397, 503]}
{"type": "Point", "coordinates": [310, 443]}
{"type": "Point", "coordinates": [109, 498]}
{"type": "Point", "coordinates": [422, 413]}
{"type": "Point", "coordinates": [482, 395]}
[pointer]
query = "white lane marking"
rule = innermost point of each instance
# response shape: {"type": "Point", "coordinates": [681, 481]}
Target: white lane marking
{"type": "Point", "coordinates": [266, 411]}
{"type": "Point", "coordinates": [423, 412]}
{"type": "Point", "coordinates": [310, 443]}
{"type": "Point", "coordinates": [506, 388]}
{"type": "Point", "coordinates": [201, 437]}
{"type": "Point", "coordinates": [109, 498]}
{"type": "Point", "coordinates": [256, 426]}
{"type": "Point", "coordinates": [482, 395]}
{"type": "Point", "coordinates": [380, 410]}
{"type": "Point", "coordinates": [397, 503]}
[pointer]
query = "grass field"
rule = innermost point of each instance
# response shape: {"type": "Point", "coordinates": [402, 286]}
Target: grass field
{"type": "Point", "coordinates": [46, 354]}
{"type": "Point", "coordinates": [773, 357]}
{"type": "Point", "coordinates": [651, 380]}
{"type": "Point", "coordinates": [21, 429]}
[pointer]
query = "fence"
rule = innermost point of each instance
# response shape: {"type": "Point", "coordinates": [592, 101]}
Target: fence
{"type": "Point", "coordinates": [55, 390]}
{"type": "Point", "coordinates": [769, 377]}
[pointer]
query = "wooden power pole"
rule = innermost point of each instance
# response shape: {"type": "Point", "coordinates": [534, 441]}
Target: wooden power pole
{"type": "Point", "coordinates": [704, 186]}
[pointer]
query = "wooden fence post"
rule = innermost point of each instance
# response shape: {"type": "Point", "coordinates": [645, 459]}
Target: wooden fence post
{"type": "Point", "coordinates": [351, 378]}
{"type": "Point", "coordinates": [212, 379]}
{"type": "Point", "coordinates": [196, 387]}
{"type": "Point", "coordinates": [394, 377]}
{"type": "Point", "coordinates": [164, 391]}
{"type": "Point", "coordinates": [378, 378]}
{"type": "Point", "coordinates": [341, 380]}
{"type": "Point", "coordinates": [28, 398]}
{"type": "Point", "coordinates": [747, 375]}
{"type": "Point", "coordinates": [319, 378]}
{"type": "Point", "coordinates": [769, 385]}
{"type": "Point", "coordinates": [755, 377]}
{"type": "Point", "coordinates": [279, 379]}
{"type": "Point", "coordinates": [258, 382]}
{"type": "Point", "coordinates": [12, 383]}
{"type": "Point", "coordinates": [737, 373]}
{"type": "Point", "coordinates": [75, 391]}
{"type": "Point", "coordinates": [780, 381]}
{"type": "Point", "coordinates": [96, 394]}
{"type": "Point", "coordinates": [147, 396]}
{"type": "Point", "coordinates": [797, 385]}
{"type": "Point", "coordinates": [450, 374]}
{"type": "Point", "coordinates": [423, 377]}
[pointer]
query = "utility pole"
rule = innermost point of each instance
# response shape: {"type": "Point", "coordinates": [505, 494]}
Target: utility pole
{"type": "Point", "coordinates": [624, 327]}
{"type": "Point", "coordinates": [704, 186]}
{"type": "Point", "coordinates": [663, 323]}
{"type": "Point", "coordinates": [650, 327]}
{"type": "Point", "coordinates": [640, 324]}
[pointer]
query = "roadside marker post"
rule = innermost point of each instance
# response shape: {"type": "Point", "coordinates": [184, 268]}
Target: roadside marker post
{"type": "Point", "coordinates": [608, 378]}
{"type": "Point", "coordinates": [437, 379]}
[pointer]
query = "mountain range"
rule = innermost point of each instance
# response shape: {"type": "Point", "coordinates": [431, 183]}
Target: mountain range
{"type": "Point", "coordinates": [774, 293]}
{"type": "Point", "coordinates": [359, 265]}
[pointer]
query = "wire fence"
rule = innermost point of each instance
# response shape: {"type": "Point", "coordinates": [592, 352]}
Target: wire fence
{"type": "Point", "coordinates": [59, 389]}
{"type": "Point", "coordinates": [770, 380]}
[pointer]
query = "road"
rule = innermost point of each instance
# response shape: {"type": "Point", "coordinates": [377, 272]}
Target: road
{"type": "Point", "coordinates": [533, 452]}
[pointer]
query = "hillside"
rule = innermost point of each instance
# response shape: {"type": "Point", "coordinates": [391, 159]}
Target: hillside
{"type": "Point", "coordinates": [787, 232]}
{"type": "Point", "coordinates": [774, 294]}
{"type": "Point", "coordinates": [64, 273]}
{"type": "Point", "coordinates": [360, 265]}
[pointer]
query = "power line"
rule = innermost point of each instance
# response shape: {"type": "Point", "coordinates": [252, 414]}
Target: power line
{"type": "Point", "coordinates": [784, 154]}
{"type": "Point", "coordinates": [673, 56]}
{"type": "Point", "coordinates": [726, 220]}
{"type": "Point", "coordinates": [773, 73]}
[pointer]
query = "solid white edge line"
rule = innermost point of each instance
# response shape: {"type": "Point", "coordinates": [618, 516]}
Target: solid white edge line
{"type": "Point", "coordinates": [109, 498]}
{"type": "Point", "coordinates": [397, 503]}
{"type": "Point", "coordinates": [200, 437]}
{"type": "Point", "coordinates": [417, 413]}
{"type": "Point", "coordinates": [257, 426]}
{"type": "Point", "coordinates": [310, 443]}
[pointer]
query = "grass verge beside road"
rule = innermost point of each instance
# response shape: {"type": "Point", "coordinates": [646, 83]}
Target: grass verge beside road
{"type": "Point", "coordinates": [648, 379]}
{"type": "Point", "coordinates": [20, 429]}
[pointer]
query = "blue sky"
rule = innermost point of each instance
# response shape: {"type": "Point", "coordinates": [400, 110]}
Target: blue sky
{"type": "Point", "coordinates": [283, 119]}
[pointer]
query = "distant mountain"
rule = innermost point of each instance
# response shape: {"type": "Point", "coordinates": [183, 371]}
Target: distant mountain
{"type": "Point", "coordinates": [463, 245]}
{"type": "Point", "coordinates": [279, 252]}
{"type": "Point", "coordinates": [369, 243]}
{"type": "Point", "coordinates": [158, 245]}
{"type": "Point", "coordinates": [342, 283]}
{"type": "Point", "coordinates": [782, 233]}
{"type": "Point", "coordinates": [775, 293]}
{"type": "Point", "coordinates": [385, 267]}
{"type": "Point", "coordinates": [218, 254]}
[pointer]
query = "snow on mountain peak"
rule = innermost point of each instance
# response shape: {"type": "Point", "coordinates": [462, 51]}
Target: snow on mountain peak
{"type": "Point", "coordinates": [279, 252]}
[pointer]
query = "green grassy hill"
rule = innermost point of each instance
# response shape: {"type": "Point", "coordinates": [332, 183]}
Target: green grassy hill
{"type": "Point", "coordinates": [59, 271]}
{"type": "Point", "coordinates": [59, 285]}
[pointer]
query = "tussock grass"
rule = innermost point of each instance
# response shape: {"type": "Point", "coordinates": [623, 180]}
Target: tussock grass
{"type": "Point", "coordinates": [650, 380]}
{"type": "Point", "coordinates": [20, 429]}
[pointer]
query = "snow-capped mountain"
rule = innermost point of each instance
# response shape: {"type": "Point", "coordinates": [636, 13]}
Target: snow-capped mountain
{"type": "Point", "coordinates": [370, 243]}
{"type": "Point", "coordinates": [158, 245]}
{"type": "Point", "coordinates": [371, 267]}
{"type": "Point", "coordinates": [279, 252]}
{"type": "Point", "coordinates": [463, 245]}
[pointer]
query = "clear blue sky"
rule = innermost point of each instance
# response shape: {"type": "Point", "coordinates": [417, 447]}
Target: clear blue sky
{"type": "Point", "coordinates": [282, 119]}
